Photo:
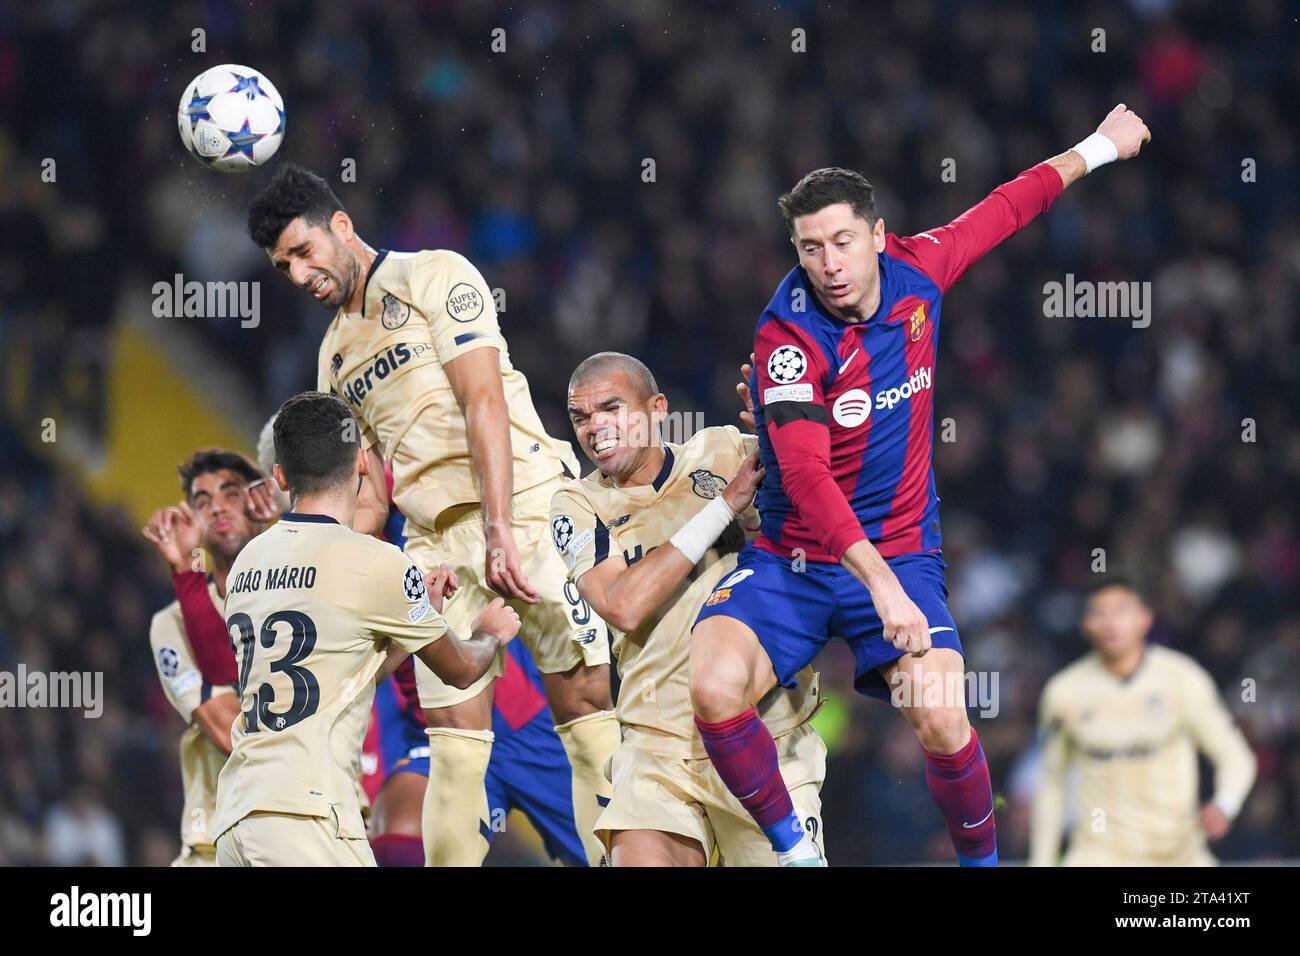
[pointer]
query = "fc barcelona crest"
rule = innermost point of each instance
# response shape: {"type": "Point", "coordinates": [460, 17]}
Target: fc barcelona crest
{"type": "Point", "coordinates": [706, 484]}
{"type": "Point", "coordinates": [396, 312]}
{"type": "Point", "coordinates": [917, 322]}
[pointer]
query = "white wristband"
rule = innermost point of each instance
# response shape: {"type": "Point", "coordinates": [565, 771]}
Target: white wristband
{"type": "Point", "coordinates": [1097, 150]}
{"type": "Point", "coordinates": [697, 535]}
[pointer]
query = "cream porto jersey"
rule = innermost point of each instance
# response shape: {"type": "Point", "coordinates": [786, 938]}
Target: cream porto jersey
{"type": "Point", "coordinates": [201, 759]}
{"type": "Point", "coordinates": [311, 606]}
{"type": "Point", "coordinates": [1134, 743]}
{"type": "Point", "coordinates": [592, 520]}
{"type": "Point", "coordinates": [420, 311]}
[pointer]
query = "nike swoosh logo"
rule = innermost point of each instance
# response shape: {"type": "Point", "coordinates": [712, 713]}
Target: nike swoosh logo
{"type": "Point", "coordinates": [936, 630]}
{"type": "Point", "coordinates": [849, 359]}
{"type": "Point", "coordinates": [972, 826]}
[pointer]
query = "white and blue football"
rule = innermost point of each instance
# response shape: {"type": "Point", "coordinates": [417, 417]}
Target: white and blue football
{"type": "Point", "coordinates": [231, 118]}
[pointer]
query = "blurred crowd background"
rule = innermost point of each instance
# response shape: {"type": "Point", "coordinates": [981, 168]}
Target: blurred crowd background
{"type": "Point", "coordinates": [1173, 447]}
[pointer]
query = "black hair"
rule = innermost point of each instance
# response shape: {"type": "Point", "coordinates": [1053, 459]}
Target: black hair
{"type": "Point", "coordinates": [826, 187]}
{"type": "Point", "coordinates": [1107, 581]}
{"type": "Point", "coordinates": [603, 362]}
{"type": "Point", "coordinates": [316, 442]}
{"type": "Point", "coordinates": [293, 192]}
{"type": "Point", "coordinates": [208, 460]}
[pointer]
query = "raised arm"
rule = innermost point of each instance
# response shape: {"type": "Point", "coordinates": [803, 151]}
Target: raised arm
{"type": "Point", "coordinates": [177, 533]}
{"type": "Point", "coordinates": [1120, 136]}
{"type": "Point", "coordinates": [945, 253]}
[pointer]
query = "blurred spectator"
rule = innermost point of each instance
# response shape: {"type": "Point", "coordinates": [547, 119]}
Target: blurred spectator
{"type": "Point", "coordinates": [80, 831]}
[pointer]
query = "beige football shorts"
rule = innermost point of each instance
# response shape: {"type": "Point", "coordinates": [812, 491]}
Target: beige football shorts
{"type": "Point", "coordinates": [290, 839]}
{"type": "Point", "coordinates": [685, 795]}
{"type": "Point", "coordinates": [561, 632]}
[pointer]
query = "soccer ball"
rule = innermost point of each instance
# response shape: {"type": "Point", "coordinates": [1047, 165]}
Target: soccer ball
{"type": "Point", "coordinates": [231, 118]}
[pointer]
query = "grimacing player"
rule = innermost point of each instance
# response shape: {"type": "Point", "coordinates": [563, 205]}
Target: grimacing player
{"type": "Point", "coordinates": [416, 351]}
{"type": "Point", "coordinates": [646, 537]}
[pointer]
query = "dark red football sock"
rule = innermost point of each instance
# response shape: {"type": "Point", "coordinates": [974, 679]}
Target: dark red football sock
{"type": "Point", "coordinates": [744, 754]}
{"type": "Point", "coordinates": [398, 849]}
{"type": "Point", "coordinates": [959, 784]}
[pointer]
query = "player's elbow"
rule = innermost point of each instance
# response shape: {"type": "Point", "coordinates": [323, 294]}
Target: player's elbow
{"type": "Point", "coordinates": [462, 678]}
{"type": "Point", "coordinates": [470, 671]}
{"type": "Point", "coordinates": [625, 618]}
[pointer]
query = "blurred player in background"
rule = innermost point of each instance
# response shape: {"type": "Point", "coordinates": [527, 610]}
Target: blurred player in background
{"type": "Point", "coordinates": [850, 542]}
{"type": "Point", "coordinates": [221, 516]}
{"type": "Point", "coordinates": [1131, 718]}
{"type": "Point", "coordinates": [321, 613]}
{"type": "Point", "coordinates": [416, 350]}
{"type": "Point", "coordinates": [646, 537]}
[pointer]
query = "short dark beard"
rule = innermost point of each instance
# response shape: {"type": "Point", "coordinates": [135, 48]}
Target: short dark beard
{"type": "Point", "coordinates": [353, 280]}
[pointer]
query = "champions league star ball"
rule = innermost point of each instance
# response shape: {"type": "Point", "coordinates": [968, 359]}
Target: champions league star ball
{"type": "Point", "coordinates": [231, 118]}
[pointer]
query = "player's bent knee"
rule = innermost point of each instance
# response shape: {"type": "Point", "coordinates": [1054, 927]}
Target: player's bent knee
{"type": "Point", "coordinates": [723, 658]}
{"type": "Point", "coordinates": [719, 691]}
{"type": "Point", "coordinates": [942, 730]}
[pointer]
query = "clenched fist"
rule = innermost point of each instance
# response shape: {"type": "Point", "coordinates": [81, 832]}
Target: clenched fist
{"type": "Point", "coordinates": [498, 619]}
{"type": "Point", "coordinates": [1126, 130]}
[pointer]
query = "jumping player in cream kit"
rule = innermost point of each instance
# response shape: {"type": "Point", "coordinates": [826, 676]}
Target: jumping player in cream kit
{"type": "Point", "coordinates": [647, 537]}
{"type": "Point", "coordinates": [416, 352]}
{"type": "Point", "coordinates": [318, 613]}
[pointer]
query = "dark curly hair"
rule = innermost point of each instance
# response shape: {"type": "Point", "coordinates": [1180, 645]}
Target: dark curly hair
{"type": "Point", "coordinates": [215, 459]}
{"type": "Point", "coordinates": [316, 442]}
{"type": "Point", "coordinates": [293, 192]}
{"type": "Point", "coordinates": [826, 187]}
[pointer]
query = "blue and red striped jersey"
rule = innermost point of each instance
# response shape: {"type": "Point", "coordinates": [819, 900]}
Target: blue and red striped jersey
{"type": "Point", "coordinates": [845, 410]}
